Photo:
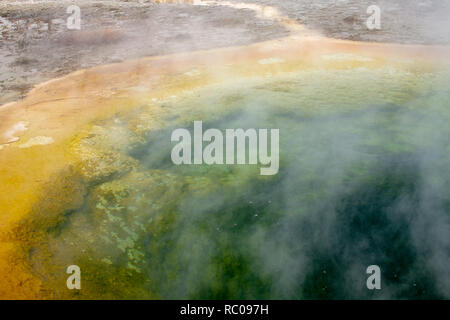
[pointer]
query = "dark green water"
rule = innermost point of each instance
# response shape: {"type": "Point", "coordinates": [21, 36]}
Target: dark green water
{"type": "Point", "coordinates": [364, 179]}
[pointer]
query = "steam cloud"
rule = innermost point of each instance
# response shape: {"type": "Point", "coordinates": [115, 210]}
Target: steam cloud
{"type": "Point", "coordinates": [356, 187]}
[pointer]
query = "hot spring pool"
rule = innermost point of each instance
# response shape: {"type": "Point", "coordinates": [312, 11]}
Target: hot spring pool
{"type": "Point", "coordinates": [364, 179]}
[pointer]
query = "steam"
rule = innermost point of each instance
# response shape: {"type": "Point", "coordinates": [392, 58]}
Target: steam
{"type": "Point", "coordinates": [340, 205]}
{"type": "Point", "coordinates": [359, 184]}
{"type": "Point", "coordinates": [363, 179]}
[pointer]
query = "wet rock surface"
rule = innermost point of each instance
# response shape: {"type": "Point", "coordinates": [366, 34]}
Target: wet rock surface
{"type": "Point", "coordinates": [35, 44]}
{"type": "Point", "coordinates": [401, 21]}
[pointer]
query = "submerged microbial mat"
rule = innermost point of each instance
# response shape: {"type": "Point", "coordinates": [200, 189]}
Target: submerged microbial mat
{"type": "Point", "coordinates": [363, 179]}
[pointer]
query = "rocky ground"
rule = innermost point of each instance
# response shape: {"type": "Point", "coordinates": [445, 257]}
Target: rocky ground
{"type": "Point", "coordinates": [402, 21]}
{"type": "Point", "coordinates": [35, 44]}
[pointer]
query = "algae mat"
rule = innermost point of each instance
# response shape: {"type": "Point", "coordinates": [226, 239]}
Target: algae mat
{"type": "Point", "coordinates": [87, 178]}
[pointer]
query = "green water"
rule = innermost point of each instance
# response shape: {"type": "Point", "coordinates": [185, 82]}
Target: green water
{"type": "Point", "coordinates": [364, 179]}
